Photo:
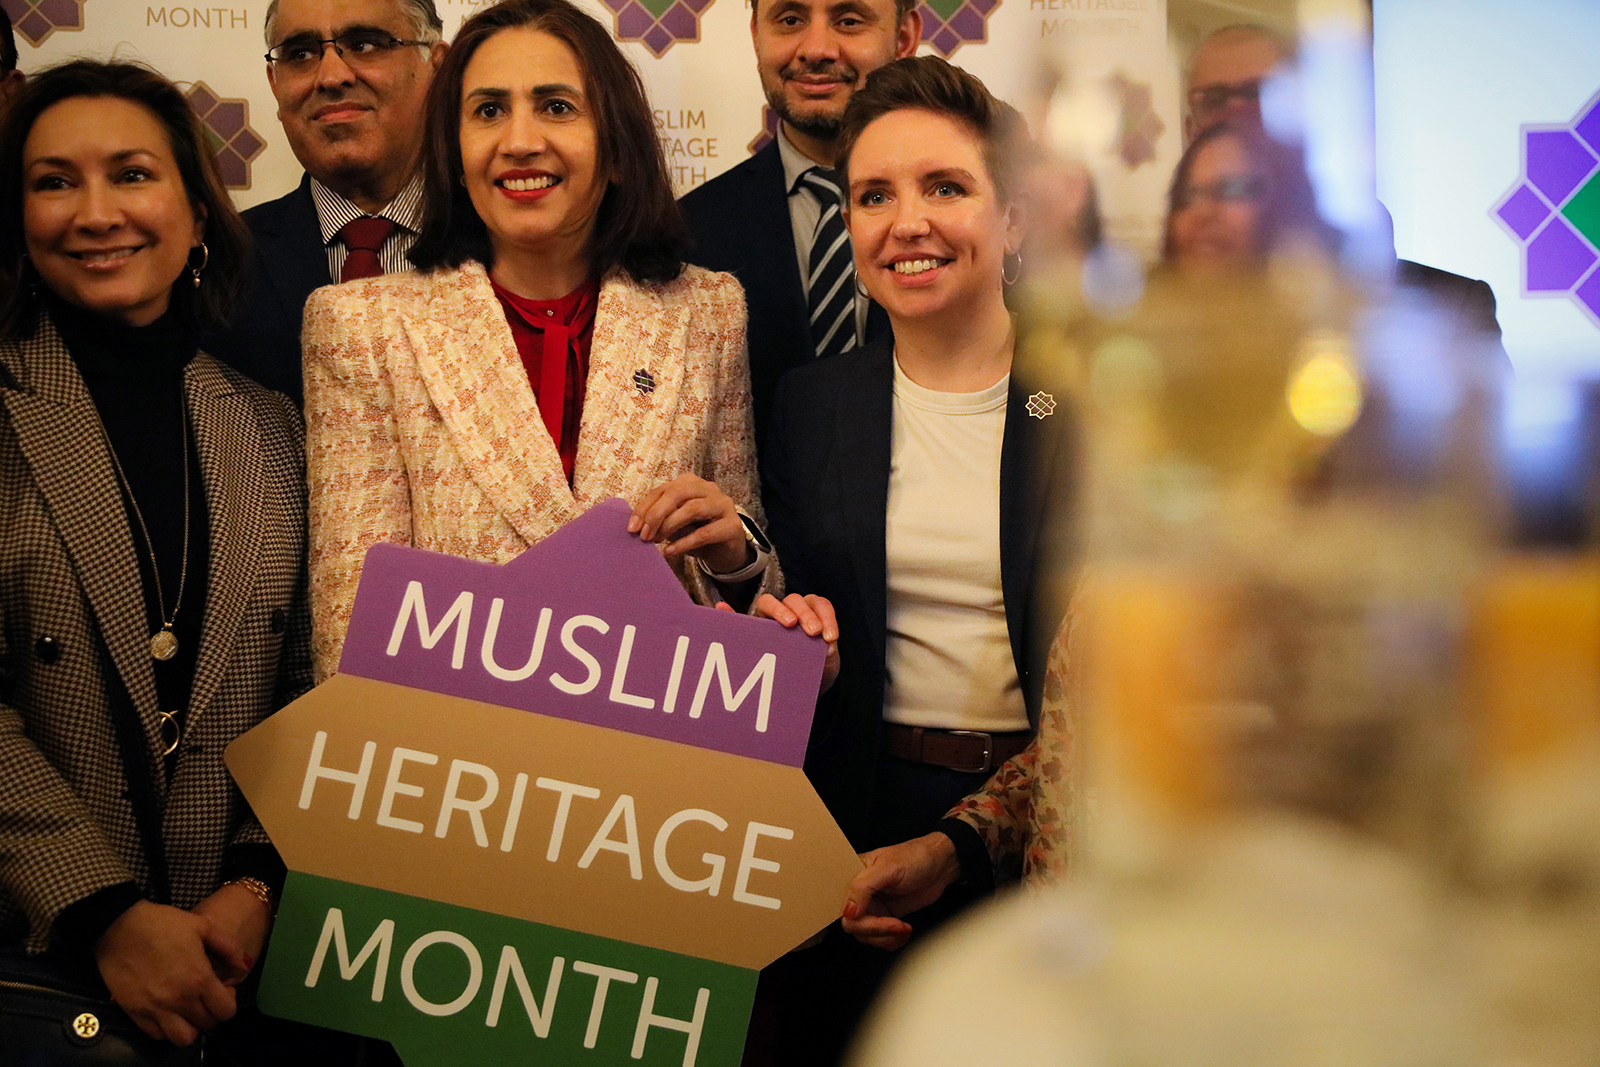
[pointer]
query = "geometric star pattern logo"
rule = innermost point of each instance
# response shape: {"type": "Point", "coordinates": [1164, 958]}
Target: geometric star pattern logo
{"type": "Point", "coordinates": [36, 20]}
{"type": "Point", "coordinates": [1041, 405]}
{"type": "Point", "coordinates": [1553, 209]}
{"type": "Point", "coordinates": [657, 24]}
{"type": "Point", "coordinates": [949, 24]}
{"type": "Point", "coordinates": [228, 132]}
{"type": "Point", "coordinates": [1137, 124]}
{"type": "Point", "coordinates": [769, 130]}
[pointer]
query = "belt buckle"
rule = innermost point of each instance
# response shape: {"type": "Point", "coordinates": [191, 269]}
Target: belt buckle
{"type": "Point", "coordinates": [988, 751]}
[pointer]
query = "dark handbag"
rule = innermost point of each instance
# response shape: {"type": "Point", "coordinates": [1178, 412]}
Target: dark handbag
{"type": "Point", "coordinates": [48, 1020]}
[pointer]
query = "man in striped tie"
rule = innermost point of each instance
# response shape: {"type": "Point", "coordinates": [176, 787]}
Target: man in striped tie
{"type": "Point", "coordinates": [350, 78]}
{"type": "Point", "coordinates": [774, 220]}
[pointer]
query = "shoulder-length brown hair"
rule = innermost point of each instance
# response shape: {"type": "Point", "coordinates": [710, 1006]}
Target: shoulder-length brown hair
{"type": "Point", "coordinates": [638, 226]}
{"type": "Point", "coordinates": [226, 237]}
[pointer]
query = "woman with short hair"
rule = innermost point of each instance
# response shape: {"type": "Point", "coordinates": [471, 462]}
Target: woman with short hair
{"type": "Point", "coordinates": [911, 483]}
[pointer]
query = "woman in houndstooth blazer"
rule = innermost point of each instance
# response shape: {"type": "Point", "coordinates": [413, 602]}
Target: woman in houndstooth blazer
{"type": "Point", "coordinates": [152, 583]}
{"type": "Point", "coordinates": [551, 351]}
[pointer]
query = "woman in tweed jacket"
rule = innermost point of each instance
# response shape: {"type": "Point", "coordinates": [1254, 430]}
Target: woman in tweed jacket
{"type": "Point", "coordinates": [551, 351]}
{"type": "Point", "coordinates": [152, 584]}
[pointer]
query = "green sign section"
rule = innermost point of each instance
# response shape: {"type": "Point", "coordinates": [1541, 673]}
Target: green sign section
{"type": "Point", "coordinates": [453, 986]}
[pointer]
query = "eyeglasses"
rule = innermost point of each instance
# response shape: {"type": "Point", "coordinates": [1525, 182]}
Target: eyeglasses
{"type": "Point", "coordinates": [1224, 191]}
{"type": "Point", "coordinates": [360, 49]}
{"type": "Point", "coordinates": [1211, 99]}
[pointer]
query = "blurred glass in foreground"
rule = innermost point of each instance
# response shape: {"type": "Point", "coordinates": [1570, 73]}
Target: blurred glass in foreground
{"type": "Point", "coordinates": [1336, 736]}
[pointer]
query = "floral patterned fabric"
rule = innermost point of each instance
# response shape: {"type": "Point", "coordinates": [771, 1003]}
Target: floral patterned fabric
{"type": "Point", "coordinates": [1030, 812]}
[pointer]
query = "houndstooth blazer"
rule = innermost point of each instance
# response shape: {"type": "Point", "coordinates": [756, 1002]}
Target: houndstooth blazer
{"type": "Point", "coordinates": [70, 597]}
{"type": "Point", "coordinates": [422, 428]}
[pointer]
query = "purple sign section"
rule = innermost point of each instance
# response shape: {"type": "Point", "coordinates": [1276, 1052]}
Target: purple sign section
{"type": "Point", "coordinates": [589, 625]}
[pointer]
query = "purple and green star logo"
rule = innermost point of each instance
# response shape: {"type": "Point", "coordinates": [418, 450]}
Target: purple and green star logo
{"type": "Point", "coordinates": [949, 24]}
{"type": "Point", "coordinates": [1554, 209]}
{"type": "Point", "coordinates": [769, 130]}
{"type": "Point", "coordinates": [658, 24]}
{"type": "Point", "coordinates": [227, 129]}
{"type": "Point", "coordinates": [36, 20]}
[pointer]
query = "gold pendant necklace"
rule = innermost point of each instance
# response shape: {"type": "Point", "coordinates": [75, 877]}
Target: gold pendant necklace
{"type": "Point", "coordinates": [163, 643]}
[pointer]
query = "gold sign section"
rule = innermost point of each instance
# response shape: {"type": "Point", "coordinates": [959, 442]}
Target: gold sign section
{"type": "Point", "coordinates": [647, 841]}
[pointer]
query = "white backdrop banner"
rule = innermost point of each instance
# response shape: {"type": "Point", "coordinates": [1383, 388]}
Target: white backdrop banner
{"type": "Point", "coordinates": [697, 60]}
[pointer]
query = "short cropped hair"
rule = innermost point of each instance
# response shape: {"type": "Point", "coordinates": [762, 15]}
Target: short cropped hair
{"type": "Point", "coordinates": [423, 16]}
{"type": "Point", "coordinates": [226, 237]}
{"type": "Point", "coordinates": [638, 226]}
{"type": "Point", "coordinates": [928, 83]}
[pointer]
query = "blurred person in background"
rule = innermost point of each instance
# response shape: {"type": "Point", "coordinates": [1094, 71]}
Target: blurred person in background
{"type": "Point", "coordinates": [1226, 72]}
{"type": "Point", "coordinates": [152, 548]}
{"type": "Point", "coordinates": [1224, 80]}
{"type": "Point", "coordinates": [916, 486]}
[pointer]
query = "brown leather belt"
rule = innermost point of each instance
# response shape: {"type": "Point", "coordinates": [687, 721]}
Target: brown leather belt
{"type": "Point", "coordinates": [973, 751]}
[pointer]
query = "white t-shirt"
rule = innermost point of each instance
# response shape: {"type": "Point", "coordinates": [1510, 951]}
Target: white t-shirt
{"type": "Point", "coordinates": [949, 651]}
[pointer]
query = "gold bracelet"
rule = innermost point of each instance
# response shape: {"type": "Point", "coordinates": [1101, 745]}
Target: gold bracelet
{"type": "Point", "coordinates": [259, 889]}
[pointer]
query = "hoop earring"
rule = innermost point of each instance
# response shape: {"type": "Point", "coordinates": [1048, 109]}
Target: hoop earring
{"type": "Point", "coordinates": [860, 289]}
{"type": "Point", "coordinates": [205, 257]}
{"type": "Point", "coordinates": [1012, 278]}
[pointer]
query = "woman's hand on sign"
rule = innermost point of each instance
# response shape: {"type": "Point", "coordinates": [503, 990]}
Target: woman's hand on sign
{"type": "Point", "coordinates": [691, 516]}
{"type": "Point", "coordinates": [153, 960]}
{"type": "Point", "coordinates": [814, 615]}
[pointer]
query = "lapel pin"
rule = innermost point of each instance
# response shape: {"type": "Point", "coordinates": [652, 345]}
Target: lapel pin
{"type": "Point", "coordinates": [1041, 404]}
{"type": "Point", "coordinates": [645, 381]}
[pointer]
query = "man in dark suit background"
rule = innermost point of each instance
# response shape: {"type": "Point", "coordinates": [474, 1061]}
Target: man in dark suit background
{"type": "Point", "coordinates": [350, 78]}
{"type": "Point", "coordinates": [761, 220]}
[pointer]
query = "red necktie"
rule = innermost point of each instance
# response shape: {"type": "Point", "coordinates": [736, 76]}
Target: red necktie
{"type": "Point", "coordinates": [363, 237]}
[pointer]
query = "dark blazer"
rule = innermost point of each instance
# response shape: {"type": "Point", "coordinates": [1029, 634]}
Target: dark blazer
{"type": "Point", "coordinates": [740, 224]}
{"type": "Point", "coordinates": [826, 486]}
{"type": "Point", "coordinates": [1467, 302]}
{"type": "Point", "coordinates": [290, 261]}
{"type": "Point", "coordinates": [74, 641]}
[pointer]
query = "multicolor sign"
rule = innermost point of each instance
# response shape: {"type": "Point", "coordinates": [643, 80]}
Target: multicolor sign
{"type": "Point", "coordinates": [550, 810]}
{"type": "Point", "coordinates": [1553, 210]}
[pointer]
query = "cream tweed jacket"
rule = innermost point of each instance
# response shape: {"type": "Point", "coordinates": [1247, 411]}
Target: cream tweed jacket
{"type": "Point", "coordinates": [422, 428]}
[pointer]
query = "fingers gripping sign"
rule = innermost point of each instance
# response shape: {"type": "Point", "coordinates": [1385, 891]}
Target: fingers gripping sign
{"type": "Point", "coordinates": [812, 614]}
{"type": "Point", "coordinates": [691, 516]}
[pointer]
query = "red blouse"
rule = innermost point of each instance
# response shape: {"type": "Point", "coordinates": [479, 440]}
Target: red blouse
{"type": "Point", "coordinates": [553, 339]}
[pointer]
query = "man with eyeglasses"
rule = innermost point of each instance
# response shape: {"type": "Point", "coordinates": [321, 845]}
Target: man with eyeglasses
{"type": "Point", "coordinates": [1225, 75]}
{"type": "Point", "coordinates": [350, 78]}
